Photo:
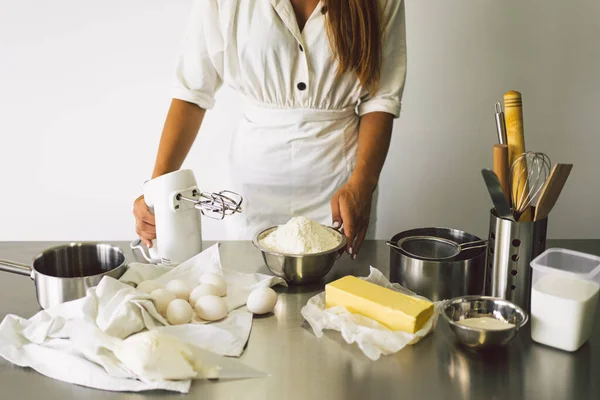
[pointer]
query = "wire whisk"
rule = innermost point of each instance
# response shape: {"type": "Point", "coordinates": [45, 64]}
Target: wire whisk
{"type": "Point", "coordinates": [528, 174]}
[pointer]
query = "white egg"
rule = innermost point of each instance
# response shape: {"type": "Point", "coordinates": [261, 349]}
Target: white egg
{"type": "Point", "coordinates": [179, 288]}
{"type": "Point", "coordinates": [216, 280]}
{"type": "Point", "coordinates": [179, 312]}
{"type": "Point", "coordinates": [162, 298]}
{"type": "Point", "coordinates": [211, 308]}
{"type": "Point", "coordinates": [148, 286]}
{"type": "Point", "coordinates": [262, 300]}
{"type": "Point", "coordinates": [204, 289]}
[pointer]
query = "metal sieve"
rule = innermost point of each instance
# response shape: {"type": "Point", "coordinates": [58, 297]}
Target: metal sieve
{"type": "Point", "coordinates": [433, 247]}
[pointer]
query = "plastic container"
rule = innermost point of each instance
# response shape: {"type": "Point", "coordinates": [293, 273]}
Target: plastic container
{"type": "Point", "coordinates": [564, 298]}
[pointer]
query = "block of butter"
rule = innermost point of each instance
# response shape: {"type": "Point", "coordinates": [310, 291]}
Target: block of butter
{"type": "Point", "coordinates": [397, 311]}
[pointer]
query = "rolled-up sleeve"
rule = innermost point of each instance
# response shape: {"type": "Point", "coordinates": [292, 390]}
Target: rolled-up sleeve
{"type": "Point", "coordinates": [388, 97]}
{"type": "Point", "coordinates": [199, 67]}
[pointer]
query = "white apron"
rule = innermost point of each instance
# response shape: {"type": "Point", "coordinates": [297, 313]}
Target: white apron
{"type": "Point", "coordinates": [288, 163]}
{"type": "Point", "coordinates": [298, 140]}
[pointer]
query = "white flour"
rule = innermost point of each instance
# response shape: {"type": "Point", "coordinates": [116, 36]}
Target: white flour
{"type": "Point", "coordinates": [301, 236]}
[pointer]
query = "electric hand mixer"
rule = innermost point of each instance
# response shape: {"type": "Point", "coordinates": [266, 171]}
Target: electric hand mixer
{"type": "Point", "coordinates": [175, 199]}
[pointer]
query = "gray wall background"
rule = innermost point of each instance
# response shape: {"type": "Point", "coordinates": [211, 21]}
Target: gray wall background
{"type": "Point", "coordinates": [84, 90]}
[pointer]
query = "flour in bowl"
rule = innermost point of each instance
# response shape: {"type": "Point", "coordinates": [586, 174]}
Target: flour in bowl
{"type": "Point", "coordinates": [301, 235]}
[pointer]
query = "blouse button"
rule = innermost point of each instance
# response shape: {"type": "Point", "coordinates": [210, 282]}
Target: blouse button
{"type": "Point", "coordinates": [301, 48]}
{"type": "Point", "coordinates": [324, 10]}
{"type": "Point", "coordinates": [301, 86]}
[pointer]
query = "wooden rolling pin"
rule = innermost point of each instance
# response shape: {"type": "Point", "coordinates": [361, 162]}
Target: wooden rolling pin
{"type": "Point", "coordinates": [513, 113]}
{"type": "Point", "coordinates": [501, 168]}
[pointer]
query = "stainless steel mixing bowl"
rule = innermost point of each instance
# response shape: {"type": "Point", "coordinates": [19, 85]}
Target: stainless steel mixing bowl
{"type": "Point", "coordinates": [465, 307]}
{"type": "Point", "coordinates": [299, 269]}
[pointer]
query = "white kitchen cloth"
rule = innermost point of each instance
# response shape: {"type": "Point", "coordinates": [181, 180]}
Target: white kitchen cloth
{"type": "Point", "coordinates": [74, 341]}
{"type": "Point", "coordinates": [227, 337]}
{"type": "Point", "coordinates": [76, 351]}
{"type": "Point", "coordinates": [372, 338]}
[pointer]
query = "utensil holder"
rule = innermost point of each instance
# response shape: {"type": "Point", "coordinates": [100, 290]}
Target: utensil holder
{"type": "Point", "coordinates": [511, 248]}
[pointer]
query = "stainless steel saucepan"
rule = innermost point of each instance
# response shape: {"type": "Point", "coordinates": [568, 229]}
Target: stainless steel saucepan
{"type": "Point", "coordinates": [63, 273]}
{"type": "Point", "coordinates": [442, 279]}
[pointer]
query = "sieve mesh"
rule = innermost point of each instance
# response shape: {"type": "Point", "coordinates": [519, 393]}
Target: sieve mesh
{"type": "Point", "coordinates": [429, 247]}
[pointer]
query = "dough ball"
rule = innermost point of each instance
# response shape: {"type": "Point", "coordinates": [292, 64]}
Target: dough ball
{"type": "Point", "coordinates": [148, 286]}
{"type": "Point", "coordinates": [157, 356]}
{"type": "Point", "coordinates": [262, 300]}
{"type": "Point", "coordinates": [216, 280]}
{"type": "Point", "coordinates": [203, 289]}
{"type": "Point", "coordinates": [162, 298]}
{"type": "Point", "coordinates": [211, 308]}
{"type": "Point", "coordinates": [179, 288]}
{"type": "Point", "coordinates": [179, 312]}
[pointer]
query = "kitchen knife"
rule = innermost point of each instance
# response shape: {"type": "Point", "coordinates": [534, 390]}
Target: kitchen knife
{"type": "Point", "coordinates": [495, 189]}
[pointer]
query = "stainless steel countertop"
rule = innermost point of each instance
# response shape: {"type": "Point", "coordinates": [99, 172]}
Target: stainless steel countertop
{"type": "Point", "coordinates": [304, 367]}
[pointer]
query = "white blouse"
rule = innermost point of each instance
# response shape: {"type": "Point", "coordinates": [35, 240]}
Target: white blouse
{"type": "Point", "coordinates": [256, 47]}
{"type": "Point", "coordinates": [297, 142]}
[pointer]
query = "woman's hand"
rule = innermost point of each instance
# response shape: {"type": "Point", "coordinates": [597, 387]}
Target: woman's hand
{"type": "Point", "coordinates": [351, 208]}
{"type": "Point", "coordinates": [180, 130]}
{"type": "Point", "coordinates": [351, 204]}
{"type": "Point", "coordinates": [144, 221]}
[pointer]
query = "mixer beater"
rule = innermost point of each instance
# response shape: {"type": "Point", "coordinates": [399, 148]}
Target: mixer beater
{"type": "Point", "coordinates": [214, 205]}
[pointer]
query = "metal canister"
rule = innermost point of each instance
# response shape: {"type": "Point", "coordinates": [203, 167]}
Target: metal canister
{"type": "Point", "coordinates": [443, 279]}
{"type": "Point", "coordinates": [511, 247]}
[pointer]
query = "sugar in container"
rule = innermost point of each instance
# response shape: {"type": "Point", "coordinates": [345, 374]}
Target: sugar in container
{"type": "Point", "coordinates": [564, 298]}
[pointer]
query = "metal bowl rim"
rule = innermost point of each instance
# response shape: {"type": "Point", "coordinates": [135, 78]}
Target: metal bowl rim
{"type": "Point", "coordinates": [76, 244]}
{"type": "Point", "coordinates": [470, 298]}
{"type": "Point", "coordinates": [257, 244]}
{"type": "Point", "coordinates": [447, 228]}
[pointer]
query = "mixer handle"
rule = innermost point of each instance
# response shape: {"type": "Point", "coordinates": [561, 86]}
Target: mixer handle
{"type": "Point", "coordinates": [137, 244]}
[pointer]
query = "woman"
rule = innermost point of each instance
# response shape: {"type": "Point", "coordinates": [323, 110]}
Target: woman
{"type": "Point", "coordinates": [322, 82]}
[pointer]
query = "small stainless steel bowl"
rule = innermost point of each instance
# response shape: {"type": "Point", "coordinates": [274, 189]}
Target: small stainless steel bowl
{"type": "Point", "coordinates": [465, 307]}
{"type": "Point", "coordinates": [299, 269]}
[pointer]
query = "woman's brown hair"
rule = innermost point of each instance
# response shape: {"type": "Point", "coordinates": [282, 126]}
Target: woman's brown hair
{"type": "Point", "coordinates": [354, 31]}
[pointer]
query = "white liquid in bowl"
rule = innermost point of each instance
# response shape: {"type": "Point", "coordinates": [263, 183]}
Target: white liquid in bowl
{"type": "Point", "coordinates": [487, 323]}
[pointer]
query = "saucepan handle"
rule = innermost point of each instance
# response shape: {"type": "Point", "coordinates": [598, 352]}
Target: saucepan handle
{"type": "Point", "coordinates": [15, 268]}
